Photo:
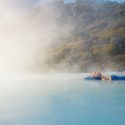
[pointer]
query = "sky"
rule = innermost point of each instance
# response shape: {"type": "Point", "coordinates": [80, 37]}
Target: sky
{"type": "Point", "coordinates": [119, 0]}
{"type": "Point", "coordinates": [32, 2]}
{"type": "Point", "coordinates": [68, 1]}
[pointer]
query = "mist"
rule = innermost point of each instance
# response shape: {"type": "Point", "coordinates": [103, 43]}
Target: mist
{"type": "Point", "coordinates": [24, 30]}
{"type": "Point", "coordinates": [16, 37]}
{"type": "Point", "coordinates": [50, 35]}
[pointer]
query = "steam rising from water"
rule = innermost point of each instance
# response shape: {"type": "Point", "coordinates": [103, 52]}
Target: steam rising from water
{"type": "Point", "coordinates": [22, 32]}
{"type": "Point", "coordinates": [26, 30]}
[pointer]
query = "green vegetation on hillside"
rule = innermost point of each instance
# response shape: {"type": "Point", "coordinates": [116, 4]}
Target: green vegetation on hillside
{"type": "Point", "coordinates": [96, 38]}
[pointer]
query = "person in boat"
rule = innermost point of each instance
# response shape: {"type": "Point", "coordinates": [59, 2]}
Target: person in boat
{"type": "Point", "coordinates": [99, 76]}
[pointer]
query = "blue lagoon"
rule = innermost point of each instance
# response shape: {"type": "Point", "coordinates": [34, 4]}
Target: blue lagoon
{"type": "Point", "coordinates": [61, 100]}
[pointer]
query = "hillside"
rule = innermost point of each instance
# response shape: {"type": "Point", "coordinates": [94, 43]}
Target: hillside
{"type": "Point", "coordinates": [94, 38]}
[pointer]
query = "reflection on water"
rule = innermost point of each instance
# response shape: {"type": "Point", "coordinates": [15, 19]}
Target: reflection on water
{"type": "Point", "coordinates": [61, 100]}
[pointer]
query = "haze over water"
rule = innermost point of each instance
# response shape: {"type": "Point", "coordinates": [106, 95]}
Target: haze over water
{"type": "Point", "coordinates": [61, 99]}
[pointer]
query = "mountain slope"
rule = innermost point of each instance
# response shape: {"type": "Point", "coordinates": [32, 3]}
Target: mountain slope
{"type": "Point", "coordinates": [95, 40]}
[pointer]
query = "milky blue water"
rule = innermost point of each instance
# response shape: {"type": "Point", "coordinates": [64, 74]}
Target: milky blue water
{"type": "Point", "coordinates": [61, 100]}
